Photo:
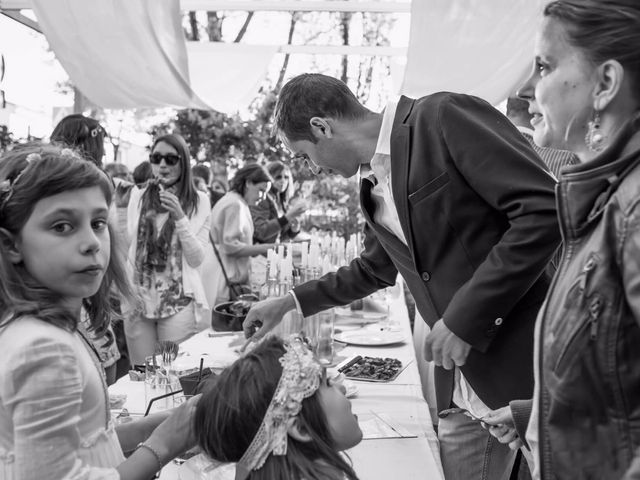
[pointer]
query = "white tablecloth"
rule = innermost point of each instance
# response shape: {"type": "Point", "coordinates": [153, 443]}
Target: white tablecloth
{"type": "Point", "coordinates": [400, 402]}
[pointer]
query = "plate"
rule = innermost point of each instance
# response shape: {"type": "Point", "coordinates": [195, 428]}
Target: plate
{"type": "Point", "coordinates": [370, 337]}
{"type": "Point", "coordinates": [346, 315]}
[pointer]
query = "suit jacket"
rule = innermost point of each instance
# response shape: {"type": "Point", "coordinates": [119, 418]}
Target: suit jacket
{"type": "Point", "coordinates": [477, 207]}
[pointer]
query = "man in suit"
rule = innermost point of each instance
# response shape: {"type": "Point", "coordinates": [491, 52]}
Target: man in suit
{"type": "Point", "coordinates": [456, 201]}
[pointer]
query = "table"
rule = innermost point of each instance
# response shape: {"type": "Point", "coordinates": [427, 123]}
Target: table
{"type": "Point", "coordinates": [400, 401]}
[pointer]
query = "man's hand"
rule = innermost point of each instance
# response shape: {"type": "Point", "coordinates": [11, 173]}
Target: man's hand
{"type": "Point", "coordinates": [265, 315]}
{"type": "Point", "coordinates": [444, 348]}
{"type": "Point", "coordinates": [500, 424]}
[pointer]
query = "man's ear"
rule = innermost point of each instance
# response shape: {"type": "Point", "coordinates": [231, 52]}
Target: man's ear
{"type": "Point", "coordinates": [609, 82]}
{"type": "Point", "coordinates": [297, 431]}
{"type": "Point", "coordinates": [320, 128]}
{"type": "Point", "coordinates": [10, 246]}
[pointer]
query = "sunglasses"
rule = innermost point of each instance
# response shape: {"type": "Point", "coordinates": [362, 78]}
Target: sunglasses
{"type": "Point", "coordinates": [171, 159]}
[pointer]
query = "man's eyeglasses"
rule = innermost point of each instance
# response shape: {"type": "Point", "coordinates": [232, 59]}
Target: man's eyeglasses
{"type": "Point", "coordinates": [171, 159]}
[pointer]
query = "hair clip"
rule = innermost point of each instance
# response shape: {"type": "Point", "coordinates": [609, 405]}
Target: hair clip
{"type": "Point", "coordinates": [33, 157]}
{"type": "Point", "coordinates": [95, 131]}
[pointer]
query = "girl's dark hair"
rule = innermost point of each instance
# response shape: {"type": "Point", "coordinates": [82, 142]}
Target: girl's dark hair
{"type": "Point", "coordinates": [55, 171]}
{"type": "Point", "coordinates": [253, 173]}
{"type": "Point", "coordinates": [82, 133]}
{"type": "Point", "coordinates": [233, 406]}
{"type": "Point", "coordinates": [274, 169]}
{"type": "Point", "coordinates": [186, 191]}
{"type": "Point", "coordinates": [603, 30]}
{"type": "Point", "coordinates": [313, 95]}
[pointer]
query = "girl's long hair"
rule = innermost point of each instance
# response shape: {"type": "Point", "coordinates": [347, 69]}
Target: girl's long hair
{"type": "Point", "coordinates": [186, 190]}
{"type": "Point", "coordinates": [233, 406]}
{"type": "Point", "coordinates": [82, 133]}
{"type": "Point", "coordinates": [55, 171]}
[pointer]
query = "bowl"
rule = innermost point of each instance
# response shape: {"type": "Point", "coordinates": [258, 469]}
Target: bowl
{"type": "Point", "coordinates": [224, 321]}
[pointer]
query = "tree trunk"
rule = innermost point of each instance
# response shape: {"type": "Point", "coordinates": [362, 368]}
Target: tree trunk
{"type": "Point", "coordinates": [245, 25]}
{"type": "Point", "coordinates": [345, 18]}
{"type": "Point", "coordinates": [193, 25]}
{"type": "Point", "coordinates": [214, 26]}
{"type": "Point", "coordinates": [285, 64]}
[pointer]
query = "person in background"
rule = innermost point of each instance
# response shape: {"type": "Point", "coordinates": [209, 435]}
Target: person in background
{"type": "Point", "coordinates": [273, 219]}
{"type": "Point", "coordinates": [168, 229]}
{"type": "Point", "coordinates": [202, 177]}
{"type": "Point", "coordinates": [142, 174]}
{"type": "Point", "coordinates": [584, 93]}
{"type": "Point", "coordinates": [239, 420]}
{"type": "Point", "coordinates": [554, 159]}
{"type": "Point", "coordinates": [57, 257]}
{"type": "Point", "coordinates": [457, 201]}
{"type": "Point", "coordinates": [86, 135]}
{"type": "Point", "coordinates": [232, 231]}
{"type": "Point", "coordinates": [82, 133]}
{"type": "Point", "coordinates": [118, 170]}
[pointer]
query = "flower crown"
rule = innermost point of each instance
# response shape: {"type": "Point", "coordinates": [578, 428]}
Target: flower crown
{"type": "Point", "coordinates": [300, 379]}
{"type": "Point", "coordinates": [7, 187]}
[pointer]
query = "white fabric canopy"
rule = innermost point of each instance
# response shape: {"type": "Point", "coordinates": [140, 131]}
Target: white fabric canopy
{"type": "Point", "coordinates": [131, 54]}
{"type": "Point", "coordinates": [121, 54]}
{"type": "Point", "coordinates": [483, 48]}
{"type": "Point", "coordinates": [227, 76]}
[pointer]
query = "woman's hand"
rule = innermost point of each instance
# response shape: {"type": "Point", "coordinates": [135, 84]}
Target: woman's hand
{"type": "Point", "coordinates": [171, 203]}
{"type": "Point", "coordinates": [500, 425]}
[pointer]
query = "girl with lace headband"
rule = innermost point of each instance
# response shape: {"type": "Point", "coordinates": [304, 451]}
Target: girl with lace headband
{"type": "Point", "coordinates": [276, 415]}
{"type": "Point", "coordinates": [56, 258]}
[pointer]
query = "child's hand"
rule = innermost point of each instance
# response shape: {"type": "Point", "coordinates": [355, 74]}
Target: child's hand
{"type": "Point", "coordinates": [500, 425]}
{"type": "Point", "coordinates": [171, 203]}
{"type": "Point", "coordinates": [176, 434]}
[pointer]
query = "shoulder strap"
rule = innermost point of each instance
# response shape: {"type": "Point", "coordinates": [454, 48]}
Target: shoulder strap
{"type": "Point", "coordinates": [224, 272]}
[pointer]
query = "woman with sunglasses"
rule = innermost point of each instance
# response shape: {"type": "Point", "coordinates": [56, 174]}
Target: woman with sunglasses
{"type": "Point", "coordinates": [167, 223]}
{"type": "Point", "coordinates": [273, 218]}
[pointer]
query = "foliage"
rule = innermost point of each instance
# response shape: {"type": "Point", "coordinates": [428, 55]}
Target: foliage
{"type": "Point", "coordinates": [6, 138]}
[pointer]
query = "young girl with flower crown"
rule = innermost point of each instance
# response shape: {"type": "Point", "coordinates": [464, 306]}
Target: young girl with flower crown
{"type": "Point", "coordinates": [57, 257]}
{"type": "Point", "coordinates": [276, 415]}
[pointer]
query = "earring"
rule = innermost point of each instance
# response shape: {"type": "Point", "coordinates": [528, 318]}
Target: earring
{"type": "Point", "coordinates": [594, 138]}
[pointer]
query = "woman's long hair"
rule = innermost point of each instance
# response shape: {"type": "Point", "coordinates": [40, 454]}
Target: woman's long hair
{"type": "Point", "coordinates": [251, 172]}
{"type": "Point", "coordinates": [274, 169]}
{"type": "Point", "coordinates": [233, 406]}
{"type": "Point", "coordinates": [54, 171]}
{"type": "Point", "coordinates": [186, 190]}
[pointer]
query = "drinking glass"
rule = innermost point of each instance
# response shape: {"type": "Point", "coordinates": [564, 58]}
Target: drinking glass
{"type": "Point", "coordinates": [159, 380]}
{"type": "Point", "coordinates": [324, 342]}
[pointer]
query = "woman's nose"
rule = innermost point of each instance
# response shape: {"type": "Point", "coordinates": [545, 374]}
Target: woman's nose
{"type": "Point", "coordinates": [528, 88]}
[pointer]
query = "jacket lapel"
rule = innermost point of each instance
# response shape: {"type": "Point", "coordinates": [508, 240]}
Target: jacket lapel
{"type": "Point", "coordinates": [400, 152]}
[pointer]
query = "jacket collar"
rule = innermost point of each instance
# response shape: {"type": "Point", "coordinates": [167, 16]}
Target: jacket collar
{"type": "Point", "coordinates": [585, 189]}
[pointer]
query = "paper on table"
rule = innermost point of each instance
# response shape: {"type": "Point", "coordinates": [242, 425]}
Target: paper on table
{"type": "Point", "coordinates": [379, 425]}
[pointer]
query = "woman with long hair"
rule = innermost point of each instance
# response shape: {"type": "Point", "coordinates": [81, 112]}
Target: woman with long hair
{"type": "Point", "coordinates": [168, 231]}
{"type": "Point", "coordinates": [232, 232]}
{"type": "Point", "coordinates": [584, 93]}
{"type": "Point", "coordinates": [273, 218]}
{"type": "Point", "coordinates": [276, 415]}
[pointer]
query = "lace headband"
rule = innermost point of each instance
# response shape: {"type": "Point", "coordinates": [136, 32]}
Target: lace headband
{"type": "Point", "coordinates": [300, 379]}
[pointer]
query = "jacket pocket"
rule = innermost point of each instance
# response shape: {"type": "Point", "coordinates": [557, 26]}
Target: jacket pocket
{"type": "Point", "coordinates": [581, 335]}
{"type": "Point", "coordinates": [429, 188]}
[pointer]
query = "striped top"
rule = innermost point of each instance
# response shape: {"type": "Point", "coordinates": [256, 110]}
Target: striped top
{"type": "Point", "coordinates": [553, 158]}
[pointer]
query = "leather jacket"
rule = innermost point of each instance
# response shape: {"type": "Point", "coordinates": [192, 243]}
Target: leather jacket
{"type": "Point", "coordinates": [589, 359]}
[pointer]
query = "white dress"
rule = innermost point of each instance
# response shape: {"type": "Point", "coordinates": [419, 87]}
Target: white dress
{"type": "Point", "coordinates": [54, 416]}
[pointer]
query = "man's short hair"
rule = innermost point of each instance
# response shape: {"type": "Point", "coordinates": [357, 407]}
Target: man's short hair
{"type": "Point", "coordinates": [312, 95]}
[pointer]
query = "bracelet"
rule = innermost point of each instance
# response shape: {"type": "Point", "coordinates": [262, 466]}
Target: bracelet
{"type": "Point", "coordinates": [153, 451]}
